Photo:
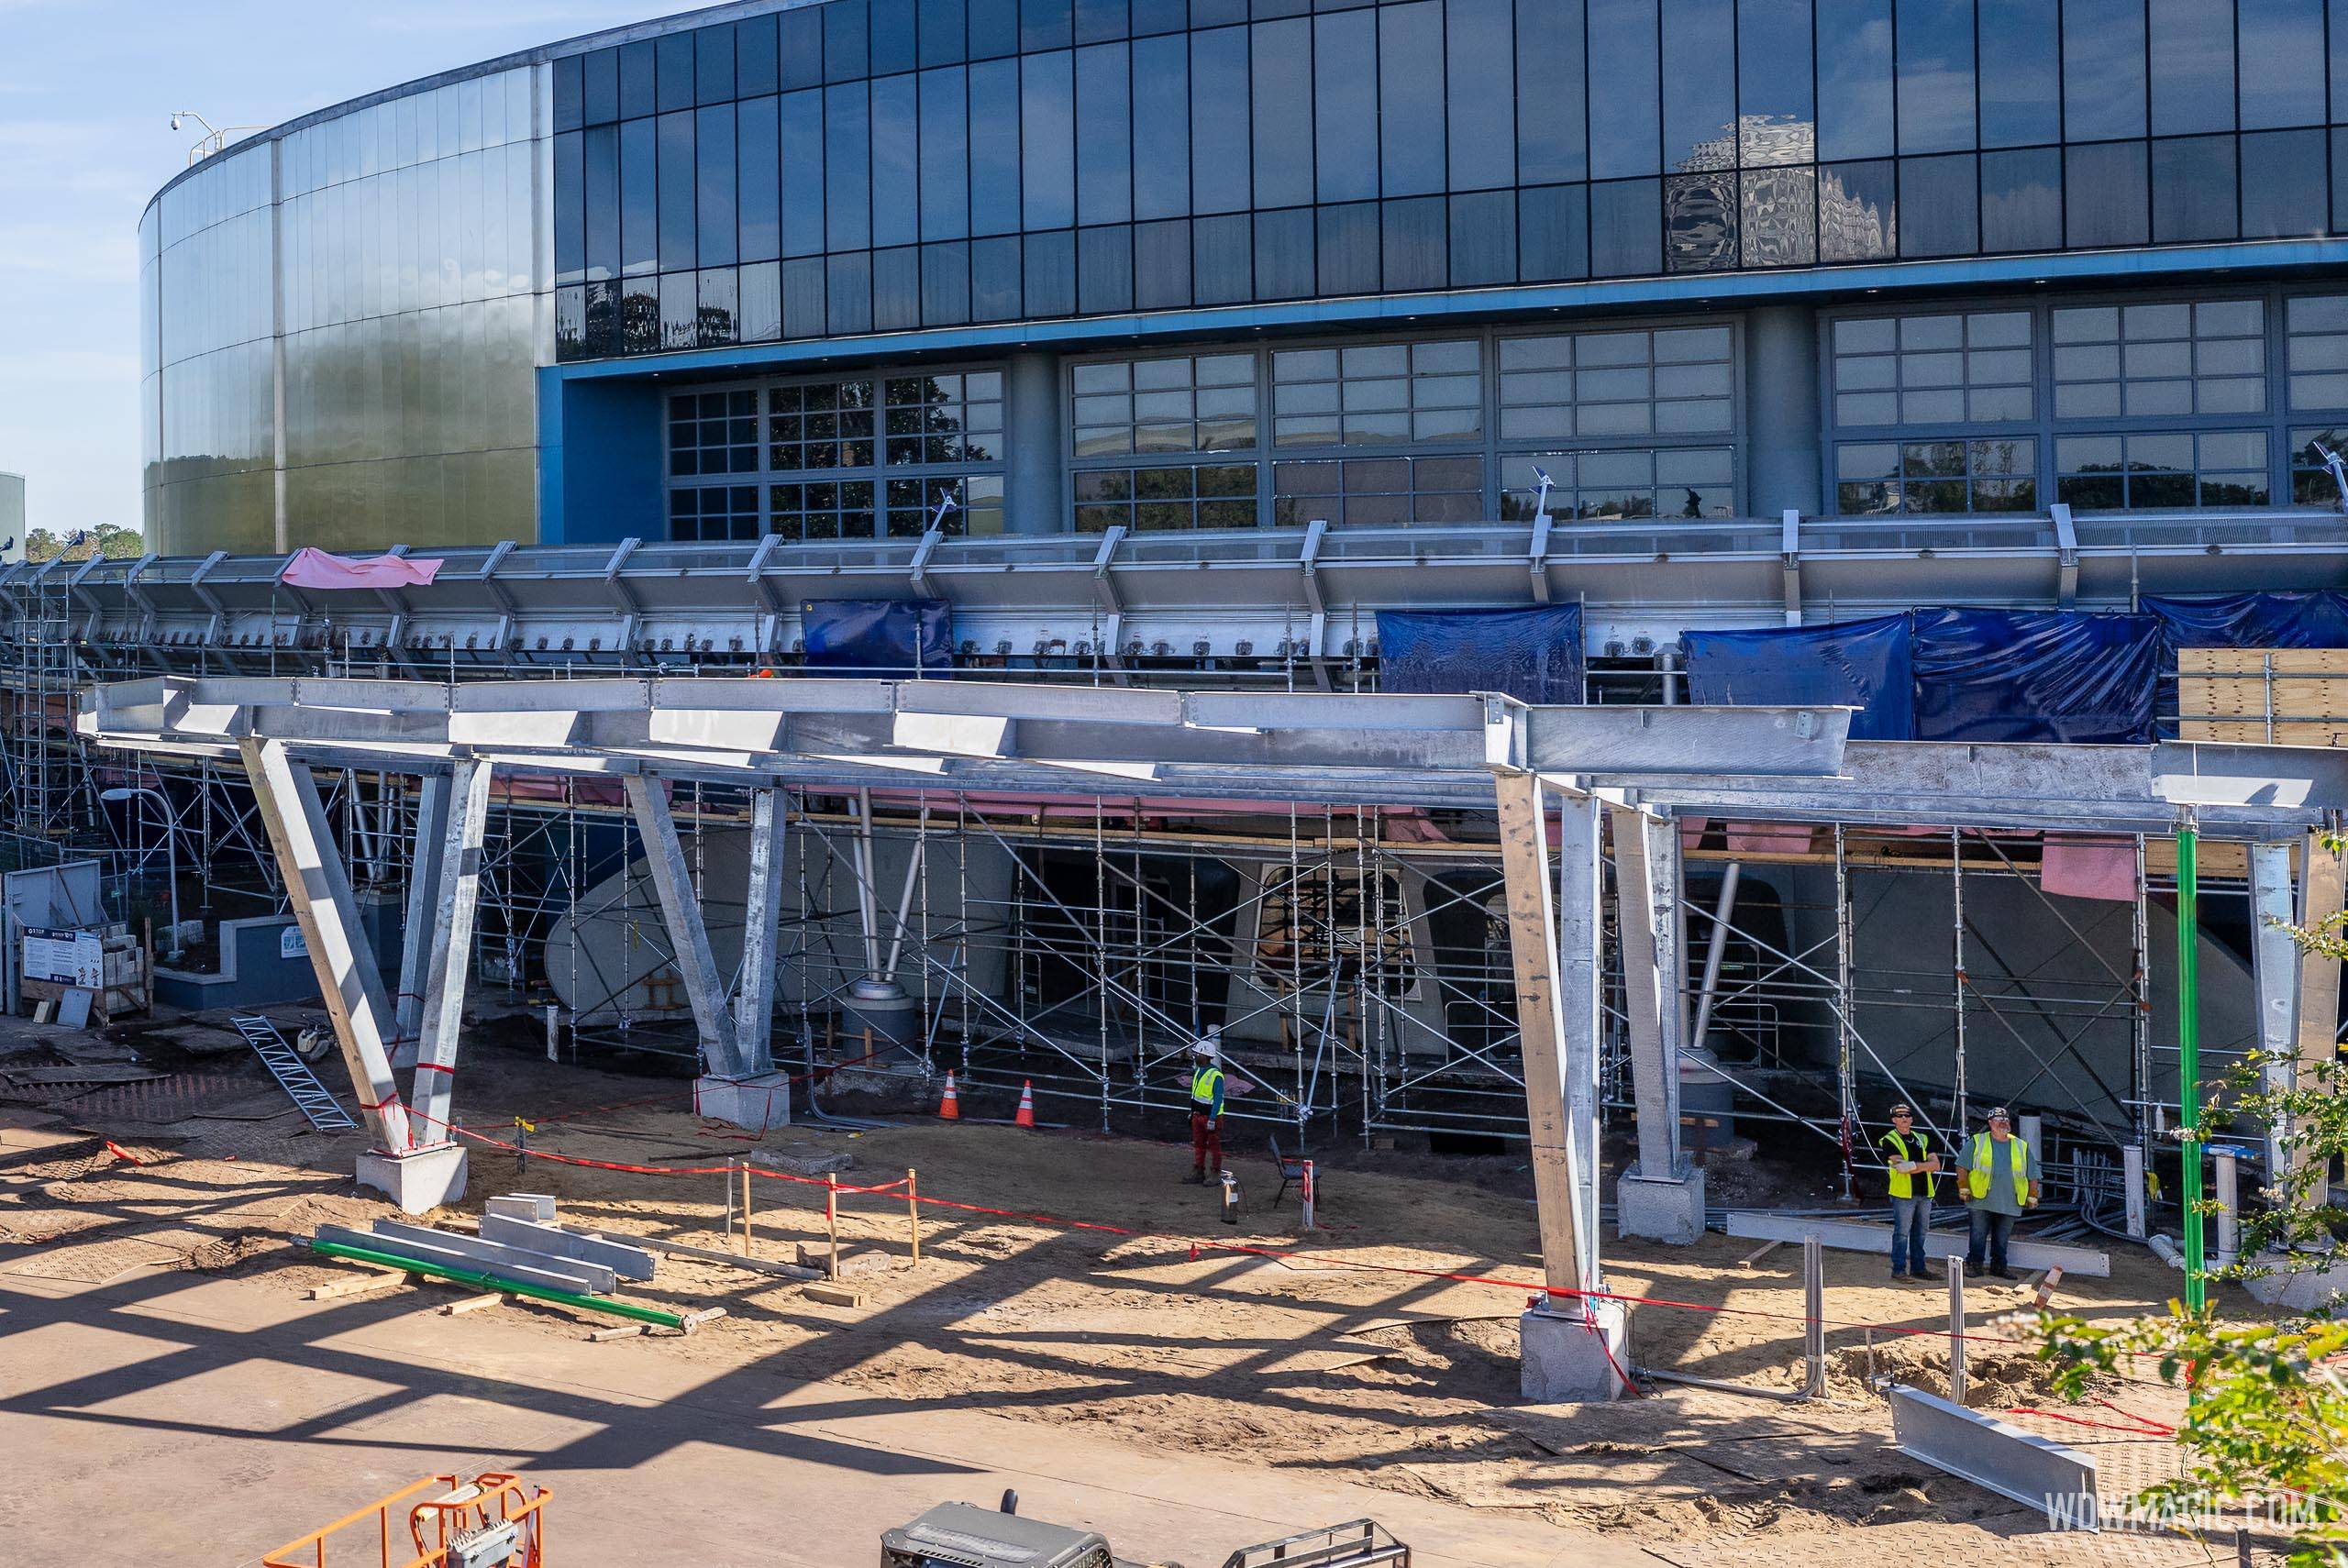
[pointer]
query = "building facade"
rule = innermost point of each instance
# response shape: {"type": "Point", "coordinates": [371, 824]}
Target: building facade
{"type": "Point", "coordinates": [868, 268]}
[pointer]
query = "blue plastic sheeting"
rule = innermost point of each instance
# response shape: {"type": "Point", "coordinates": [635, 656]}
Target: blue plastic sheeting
{"type": "Point", "coordinates": [2253, 620]}
{"type": "Point", "coordinates": [2057, 675]}
{"type": "Point", "coordinates": [1858, 664]}
{"type": "Point", "coordinates": [880, 637]}
{"type": "Point", "coordinates": [1532, 655]}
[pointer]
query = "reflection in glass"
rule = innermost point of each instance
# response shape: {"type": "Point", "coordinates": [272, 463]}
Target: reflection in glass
{"type": "Point", "coordinates": [1857, 212]}
{"type": "Point", "coordinates": [2020, 80]}
{"type": "Point", "coordinates": [1699, 214]}
{"type": "Point", "coordinates": [1700, 130]}
{"type": "Point", "coordinates": [1855, 93]}
{"type": "Point", "coordinates": [1777, 120]}
{"type": "Point", "coordinates": [1780, 208]}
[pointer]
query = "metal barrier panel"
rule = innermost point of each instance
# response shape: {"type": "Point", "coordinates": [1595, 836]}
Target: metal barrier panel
{"type": "Point", "coordinates": [2035, 1472]}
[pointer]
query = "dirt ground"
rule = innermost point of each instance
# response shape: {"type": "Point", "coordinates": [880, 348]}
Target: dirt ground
{"type": "Point", "coordinates": [1346, 1351]}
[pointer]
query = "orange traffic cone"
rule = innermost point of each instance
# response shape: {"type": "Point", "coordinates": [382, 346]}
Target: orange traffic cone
{"type": "Point", "coordinates": [1027, 1117]}
{"type": "Point", "coordinates": [949, 1109]}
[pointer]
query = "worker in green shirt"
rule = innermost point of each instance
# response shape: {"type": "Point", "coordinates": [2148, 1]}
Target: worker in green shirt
{"type": "Point", "coordinates": [2000, 1181]}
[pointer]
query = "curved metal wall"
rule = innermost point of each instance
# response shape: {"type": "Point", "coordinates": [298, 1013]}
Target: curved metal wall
{"type": "Point", "coordinates": [340, 327]}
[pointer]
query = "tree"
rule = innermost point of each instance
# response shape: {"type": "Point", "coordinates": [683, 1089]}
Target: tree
{"type": "Point", "coordinates": [111, 540]}
{"type": "Point", "coordinates": [2267, 1421]}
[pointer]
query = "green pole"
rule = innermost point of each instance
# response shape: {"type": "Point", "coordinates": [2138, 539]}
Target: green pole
{"type": "Point", "coordinates": [2188, 1053]}
{"type": "Point", "coordinates": [482, 1281]}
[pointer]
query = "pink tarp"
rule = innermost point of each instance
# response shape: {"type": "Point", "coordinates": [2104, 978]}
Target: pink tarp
{"type": "Point", "coordinates": [2075, 868]}
{"type": "Point", "coordinates": [315, 569]}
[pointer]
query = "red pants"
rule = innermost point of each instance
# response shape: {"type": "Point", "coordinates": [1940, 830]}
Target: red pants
{"type": "Point", "coordinates": [1206, 1144]}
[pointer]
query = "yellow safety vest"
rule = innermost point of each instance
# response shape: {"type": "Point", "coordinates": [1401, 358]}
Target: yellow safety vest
{"type": "Point", "coordinates": [1903, 1184]}
{"type": "Point", "coordinates": [1203, 1084]}
{"type": "Point", "coordinates": [1976, 1182]}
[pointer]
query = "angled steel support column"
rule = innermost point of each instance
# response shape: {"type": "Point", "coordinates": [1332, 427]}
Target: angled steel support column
{"type": "Point", "coordinates": [1663, 1196]}
{"type": "Point", "coordinates": [423, 883]}
{"type": "Point", "coordinates": [754, 1004]}
{"type": "Point", "coordinates": [2318, 1020]}
{"type": "Point", "coordinates": [320, 890]}
{"type": "Point", "coordinates": [456, 898]}
{"type": "Point", "coordinates": [1574, 1345]}
{"type": "Point", "coordinates": [688, 933]}
{"type": "Point", "coordinates": [2275, 965]}
{"type": "Point", "coordinates": [1554, 952]}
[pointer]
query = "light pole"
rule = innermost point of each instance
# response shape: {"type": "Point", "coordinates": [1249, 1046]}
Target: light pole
{"type": "Point", "coordinates": [170, 847]}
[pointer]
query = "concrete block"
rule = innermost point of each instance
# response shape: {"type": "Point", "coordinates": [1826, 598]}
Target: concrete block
{"type": "Point", "coordinates": [756, 1103]}
{"type": "Point", "coordinates": [533, 1206]}
{"type": "Point", "coordinates": [419, 1180]}
{"type": "Point", "coordinates": [835, 1295]}
{"type": "Point", "coordinates": [1668, 1209]}
{"type": "Point", "coordinates": [627, 1262]}
{"type": "Point", "coordinates": [1572, 1359]}
{"type": "Point", "coordinates": [2303, 1291]}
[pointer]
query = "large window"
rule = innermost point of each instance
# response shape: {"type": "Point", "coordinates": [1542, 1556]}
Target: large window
{"type": "Point", "coordinates": [2318, 325]}
{"type": "Point", "coordinates": [838, 458]}
{"type": "Point", "coordinates": [1951, 368]}
{"type": "Point", "coordinates": [1185, 403]}
{"type": "Point", "coordinates": [2162, 469]}
{"type": "Point", "coordinates": [1673, 483]}
{"type": "Point", "coordinates": [1218, 495]}
{"type": "Point", "coordinates": [1373, 491]}
{"type": "Point", "coordinates": [1564, 386]}
{"type": "Point", "coordinates": [1378, 393]}
{"type": "Point", "coordinates": [1998, 475]}
{"type": "Point", "coordinates": [2143, 361]}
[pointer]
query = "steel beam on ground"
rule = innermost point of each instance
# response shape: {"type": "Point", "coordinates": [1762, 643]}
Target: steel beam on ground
{"type": "Point", "coordinates": [456, 900]}
{"type": "Point", "coordinates": [1871, 1236]}
{"type": "Point", "coordinates": [1548, 1020]}
{"type": "Point", "coordinates": [319, 891]}
{"type": "Point", "coordinates": [1646, 883]}
{"type": "Point", "coordinates": [761, 914]}
{"type": "Point", "coordinates": [688, 932]}
{"type": "Point", "coordinates": [423, 878]}
{"type": "Point", "coordinates": [2035, 1472]}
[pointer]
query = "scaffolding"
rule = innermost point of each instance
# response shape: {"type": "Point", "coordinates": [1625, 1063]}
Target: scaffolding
{"type": "Point", "coordinates": [1355, 955]}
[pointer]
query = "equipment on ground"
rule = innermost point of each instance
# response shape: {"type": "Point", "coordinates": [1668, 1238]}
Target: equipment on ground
{"type": "Point", "coordinates": [495, 1520]}
{"type": "Point", "coordinates": [960, 1535]}
{"type": "Point", "coordinates": [1230, 1199]}
{"type": "Point", "coordinates": [313, 1099]}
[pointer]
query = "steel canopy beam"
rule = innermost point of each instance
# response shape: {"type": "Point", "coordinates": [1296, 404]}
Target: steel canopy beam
{"type": "Point", "coordinates": [688, 933]}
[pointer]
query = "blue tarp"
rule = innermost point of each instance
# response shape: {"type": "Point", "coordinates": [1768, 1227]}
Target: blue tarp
{"type": "Point", "coordinates": [2253, 620]}
{"type": "Point", "coordinates": [1858, 664]}
{"type": "Point", "coordinates": [880, 637]}
{"type": "Point", "coordinates": [2056, 675]}
{"type": "Point", "coordinates": [1532, 655]}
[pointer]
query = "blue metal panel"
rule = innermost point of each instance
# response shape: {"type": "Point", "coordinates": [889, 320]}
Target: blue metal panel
{"type": "Point", "coordinates": [599, 462]}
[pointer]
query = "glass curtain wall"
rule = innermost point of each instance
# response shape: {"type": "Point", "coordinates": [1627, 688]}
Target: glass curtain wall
{"type": "Point", "coordinates": [876, 165]}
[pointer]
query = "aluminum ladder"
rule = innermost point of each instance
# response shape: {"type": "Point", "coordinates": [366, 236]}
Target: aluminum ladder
{"type": "Point", "coordinates": [313, 1099]}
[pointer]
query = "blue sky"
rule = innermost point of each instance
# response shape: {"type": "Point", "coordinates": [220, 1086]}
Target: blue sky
{"type": "Point", "coordinates": [88, 88]}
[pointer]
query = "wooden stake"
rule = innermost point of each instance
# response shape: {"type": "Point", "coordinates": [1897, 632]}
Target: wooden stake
{"type": "Point", "coordinates": [912, 1210]}
{"type": "Point", "coordinates": [832, 1222]}
{"type": "Point", "coordinates": [746, 1206]}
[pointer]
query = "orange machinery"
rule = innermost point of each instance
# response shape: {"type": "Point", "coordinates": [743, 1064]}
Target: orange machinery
{"type": "Point", "coordinates": [495, 1520]}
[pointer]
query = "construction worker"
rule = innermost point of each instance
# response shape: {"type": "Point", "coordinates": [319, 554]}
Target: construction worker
{"type": "Point", "coordinates": [1908, 1156]}
{"type": "Point", "coordinates": [2000, 1181]}
{"type": "Point", "coordinates": [1206, 1108]}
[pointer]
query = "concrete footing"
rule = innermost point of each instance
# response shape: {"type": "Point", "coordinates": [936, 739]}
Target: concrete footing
{"type": "Point", "coordinates": [2297, 1292]}
{"type": "Point", "coordinates": [756, 1103]}
{"type": "Point", "coordinates": [1572, 1359]}
{"type": "Point", "coordinates": [1669, 1209]}
{"type": "Point", "coordinates": [419, 1180]}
